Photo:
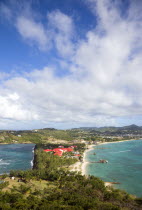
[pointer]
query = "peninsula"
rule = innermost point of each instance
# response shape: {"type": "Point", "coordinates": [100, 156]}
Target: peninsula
{"type": "Point", "coordinates": [58, 179]}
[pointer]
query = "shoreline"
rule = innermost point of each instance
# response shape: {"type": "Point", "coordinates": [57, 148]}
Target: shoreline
{"type": "Point", "coordinates": [84, 163]}
{"type": "Point", "coordinates": [16, 143]}
{"type": "Point", "coordinates": [81, 166]}
{"type": "Point", "coordinates": [110, 142]}
{"type": "Point", "coordinates": [83, 171]}
{"type": "Point", "coordinates": [33, 160]}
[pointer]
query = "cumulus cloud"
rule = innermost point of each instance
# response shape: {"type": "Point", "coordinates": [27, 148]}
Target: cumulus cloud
{"type": "Point", "coordinates": [32, 31]}
{"type": "Point", "coordinates": [11, 108]}
{"type": "Point", "coordinates": [62, 22]}
{"type": "Point", "coordinates": [104, 80]}
{"type": "Point", "coordinates": [62, 27]}
{"type": "Point", "coordinates": [49, 100]}
{"type": "Point", "coordinates": [57, 32]}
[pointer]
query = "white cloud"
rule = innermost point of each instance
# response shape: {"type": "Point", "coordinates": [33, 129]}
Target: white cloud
{"type": "Point", "coordinates": [32, 31]}
{"type": "Point", "coordinates": [62, 27]}
{"type": "Point", "coordinates": [58, 32]}
{"type": "Point", "coordinates": [11, 108]}
{"type": "Point", "coordinates": [105, 71]}
{"type": "Point", "coordinates": [61, 22]}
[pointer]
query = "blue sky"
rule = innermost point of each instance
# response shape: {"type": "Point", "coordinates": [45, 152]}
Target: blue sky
{"type": "Point", "coordinates": [70, 63]}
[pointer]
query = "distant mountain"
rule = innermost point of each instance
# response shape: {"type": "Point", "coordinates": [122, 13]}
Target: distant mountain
{"type": "Point", "coordinates": [131, 127]}
{"type": "Point", "coordinates": [50, 129]}
{"type": "Point", "coordinates": [111, 129]}
{"type": "Point", "coordinates": [128, 128]}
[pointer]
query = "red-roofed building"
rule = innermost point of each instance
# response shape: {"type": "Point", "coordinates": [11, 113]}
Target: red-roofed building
{"type": "Point", "coordinates": [69, 149]}
{"type": "Point", "coordinates": [59, 151]}
{"type": "Point", "coordinates": [48, 150]}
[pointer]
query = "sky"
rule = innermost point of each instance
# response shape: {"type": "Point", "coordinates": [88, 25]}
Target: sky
{"type": "Point", "coordinates": [70, 63]}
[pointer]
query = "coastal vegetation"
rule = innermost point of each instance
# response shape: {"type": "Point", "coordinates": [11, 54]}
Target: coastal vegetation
{"type": "Point", "coordinates": [51, 185]}
{"type": "Point", "coordinates": [52, 135]}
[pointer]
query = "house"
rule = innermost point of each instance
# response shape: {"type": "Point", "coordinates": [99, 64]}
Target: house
{"type": "Point", "coordinates": [59, 151]}
{"type": "Point", "coordinates": [48, 150]}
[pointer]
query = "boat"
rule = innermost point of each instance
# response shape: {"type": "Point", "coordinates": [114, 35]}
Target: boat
{"type": "Point", "coordinates": [103, 161]}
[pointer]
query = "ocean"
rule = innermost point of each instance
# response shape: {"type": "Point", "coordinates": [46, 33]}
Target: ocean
{"type": "Point", "coordinates": [124, 165]}
{"type": "Point", "coordinates": [16, 156]}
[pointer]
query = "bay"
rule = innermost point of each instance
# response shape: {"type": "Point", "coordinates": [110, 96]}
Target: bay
{"type": "Point", "coordinates": [124, 164]}
{"type": "Point", "coordinates": [16, 157]}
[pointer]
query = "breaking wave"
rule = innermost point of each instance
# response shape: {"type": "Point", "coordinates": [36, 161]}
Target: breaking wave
{"type": "Point", "coordinates": [122, 151]}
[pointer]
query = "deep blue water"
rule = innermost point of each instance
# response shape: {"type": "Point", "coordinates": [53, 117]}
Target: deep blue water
{"type": "Point", "coordinates": [15, 156]}
{"type": "Point", "coordinates": [124, 164]}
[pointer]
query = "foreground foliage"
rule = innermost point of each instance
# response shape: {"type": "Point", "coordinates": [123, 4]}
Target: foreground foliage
{"type": "Point", "coordinates": [63, 189]}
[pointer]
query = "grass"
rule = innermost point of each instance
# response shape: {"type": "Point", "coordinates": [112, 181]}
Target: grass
{"type": "Point", "coordinates": [34, 185]}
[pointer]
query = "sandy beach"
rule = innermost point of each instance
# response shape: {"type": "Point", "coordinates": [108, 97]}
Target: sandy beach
{"type": "Point", "coordinates": [80, 166]}
{"type": "Point", "coordinates": [84, 163]}
{"type": "Point", "coordinates": [76, 167]}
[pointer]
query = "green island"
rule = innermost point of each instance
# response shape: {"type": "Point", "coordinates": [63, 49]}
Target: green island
{"type": "Point", "coordinates": [51, 183]}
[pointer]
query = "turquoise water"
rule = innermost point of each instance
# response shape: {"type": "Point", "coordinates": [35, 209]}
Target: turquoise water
{"type": "Point", "coordinates": [15, 156]}
{"type": "Point", "coordinates": [124, 164]}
